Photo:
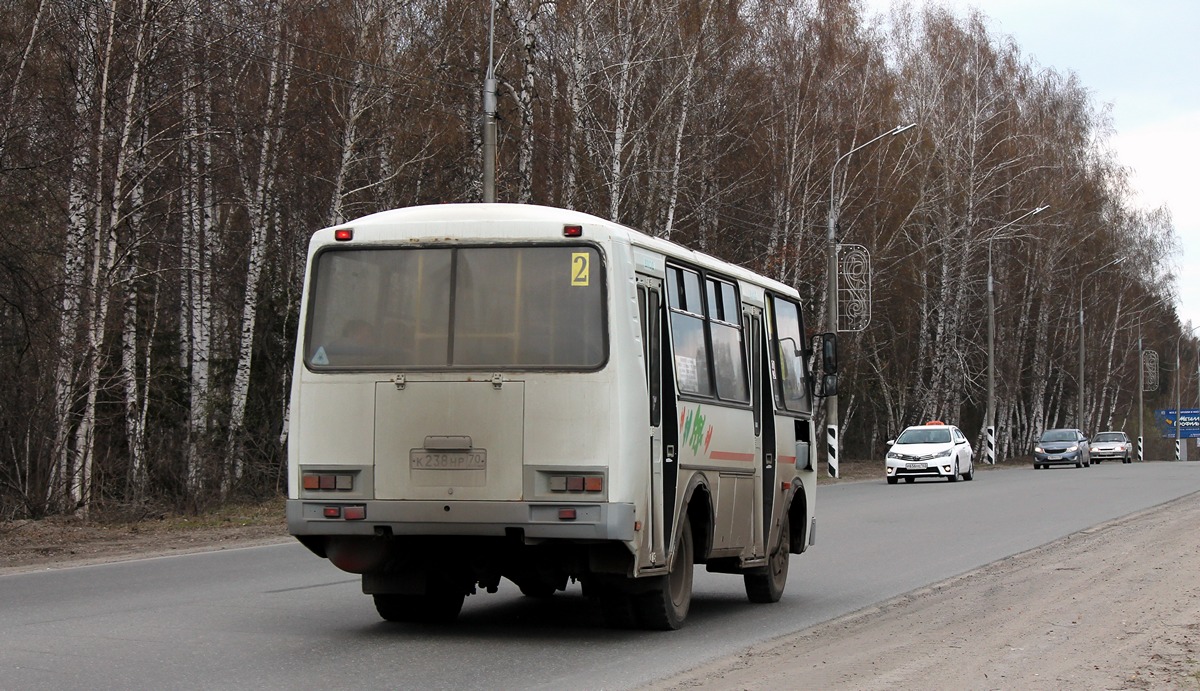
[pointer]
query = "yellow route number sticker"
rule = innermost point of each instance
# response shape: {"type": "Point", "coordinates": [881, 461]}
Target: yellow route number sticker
{"type": "Point", "coordinates": [580, 269]}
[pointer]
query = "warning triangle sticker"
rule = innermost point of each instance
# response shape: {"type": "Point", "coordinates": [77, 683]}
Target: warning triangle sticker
{"type": "Point", "coordinates": [320, 358]}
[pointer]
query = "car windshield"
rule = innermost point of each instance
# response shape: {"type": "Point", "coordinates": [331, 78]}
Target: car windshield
{"type": "Point", "coordinates": [924, 436]}
{"type": "Point", "coordinates": [1059, 435]}
{"type": "Point", "coordinates": [1109, 436]}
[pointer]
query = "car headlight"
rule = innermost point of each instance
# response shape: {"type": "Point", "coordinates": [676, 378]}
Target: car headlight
{"type": "Point", "coordinates": [1038, 449]}
{"type": "Point", "coordinates": [942, 454]}
{"type": "Point", "coordinates": [1072, 448]}
{"type": "Point", "coordinates": [893, 454]}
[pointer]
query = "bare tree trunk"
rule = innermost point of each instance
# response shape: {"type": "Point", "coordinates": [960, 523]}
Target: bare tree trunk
{"type": "Point", "coordinates": [74, 273]}
{"type": "Point", "coordinates": [259, 200]}
{"type": "Point", "coordinates": [105, 248]}
{"type": "Point", "coordinates": [14, 89]}
{"type": "Point", "coordinates": [685, 105]}
{"type": "Point", "coordinates": [527, 18]}
{"type": "Point", "coordinates": [198, 246]}
{"type": "Point", "coordinates": [135, 396]}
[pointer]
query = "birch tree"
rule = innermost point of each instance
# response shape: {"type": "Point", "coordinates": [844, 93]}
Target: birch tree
{"type": "Point", "coordinates": [258, 187]}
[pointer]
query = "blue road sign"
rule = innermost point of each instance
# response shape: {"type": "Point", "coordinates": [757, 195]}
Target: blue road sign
{"type": "Point", "coordinates": [1189, 423]}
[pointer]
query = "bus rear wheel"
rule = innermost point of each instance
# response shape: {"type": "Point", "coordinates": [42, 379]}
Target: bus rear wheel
{"type": "Point", "coordinates": [766, 585]}
{"type": "Point", "coordinates": [666, 606]}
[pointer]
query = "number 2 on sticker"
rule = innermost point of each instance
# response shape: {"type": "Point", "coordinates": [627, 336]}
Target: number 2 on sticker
{"type": "Point", "coordinates": [580, 267]}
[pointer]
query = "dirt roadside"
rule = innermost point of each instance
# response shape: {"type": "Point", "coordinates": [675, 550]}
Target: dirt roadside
{"type": "Point", "coordinates": [27, 545]}
{"type": "Point", "coordinates": [1113, 607]}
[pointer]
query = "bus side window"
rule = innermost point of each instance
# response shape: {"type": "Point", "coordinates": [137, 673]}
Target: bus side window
{"type": "Point", "coordinates": [752, 326]}
{"type": "Point", "coordinates": [648, 309]}
{"type": "Point", "coordinates": [788, 353]}
{"type": "Point", "coordinates": [728, 345]}
{"type": "Point", "coordinates": [687, 332]}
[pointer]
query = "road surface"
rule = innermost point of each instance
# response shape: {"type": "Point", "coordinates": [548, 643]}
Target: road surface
{"type": "Point", "coordinates": [279, 617]}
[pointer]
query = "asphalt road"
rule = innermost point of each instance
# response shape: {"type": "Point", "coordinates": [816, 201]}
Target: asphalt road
{"type": "Point", "coordinates": [279, 617]}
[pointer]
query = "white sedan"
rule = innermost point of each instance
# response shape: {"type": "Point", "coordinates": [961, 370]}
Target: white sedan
{"type": "Point", "coordinates": [934, 449]}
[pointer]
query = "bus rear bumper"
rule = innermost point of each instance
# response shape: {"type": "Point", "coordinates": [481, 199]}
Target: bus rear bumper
{"type": "Point", "coordinates": [611, 521]}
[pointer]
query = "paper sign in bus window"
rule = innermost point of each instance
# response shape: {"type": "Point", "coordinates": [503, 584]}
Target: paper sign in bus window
{"type": "Point", "coordinates": [580, 269]}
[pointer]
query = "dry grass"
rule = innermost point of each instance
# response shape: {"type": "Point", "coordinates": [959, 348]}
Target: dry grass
{"type": "Point", "coordinates": [26, 544]}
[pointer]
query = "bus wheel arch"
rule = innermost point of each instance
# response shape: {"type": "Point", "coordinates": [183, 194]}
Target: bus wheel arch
{"type": "Point", "coordinates": [665, 606]}
{"type": "Point", "coordinates": [798, 517]}
{"type": "Point", "coordinates": [699, 510]}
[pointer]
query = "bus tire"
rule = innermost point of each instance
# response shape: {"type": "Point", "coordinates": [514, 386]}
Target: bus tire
{"type": "Point", "coordinates": [666, 605]}
{"type": "Point", "coordinates": [431, 608]}
{"type": "Point", "coordinates": [766, 585]}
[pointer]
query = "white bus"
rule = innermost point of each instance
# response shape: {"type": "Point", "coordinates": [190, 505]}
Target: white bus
{"type": "Point", "coordinates": [488, 391]}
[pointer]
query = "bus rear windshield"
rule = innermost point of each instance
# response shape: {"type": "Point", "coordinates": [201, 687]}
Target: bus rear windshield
{"type": "Point", "coordinates": [467, 308]}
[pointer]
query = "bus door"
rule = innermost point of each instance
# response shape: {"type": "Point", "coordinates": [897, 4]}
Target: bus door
{"type": "Point", "coordinates": [662, 471]}
{"type": "Point", "coordinates": [764, 434]}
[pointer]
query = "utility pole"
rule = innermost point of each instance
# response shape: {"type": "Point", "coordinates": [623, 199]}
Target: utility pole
{"type": "Point", "coordinates": [1141, 387]}
{"type": "Point", "coordinates": [989, 419]}
{"type": "Point", "coordinates": [489, 118]}
{"type": "Point", "coordinates": [1079, 405]}
{"type": "Point", "coordinates": [831, 402]}
{"type": "Point", "coordinates": [1179, 385]}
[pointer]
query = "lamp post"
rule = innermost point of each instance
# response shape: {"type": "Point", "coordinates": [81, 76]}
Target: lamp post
{"type": "Point", "coordinates": [489, 118]}
{"type": "Point", "coordinates": [1079, 405]}
{"type": "Point", "coordinates": [1178, 386]}
{"type": "Point", "coordinates": [989, 421]}
{"type": "Point", "coordinates": [1141, 388]}
{"type": "Point", "coordinates": [831, 402]}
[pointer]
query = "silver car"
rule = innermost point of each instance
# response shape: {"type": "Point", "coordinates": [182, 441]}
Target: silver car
{"type": "Point", "coordinates": [1110, 446]}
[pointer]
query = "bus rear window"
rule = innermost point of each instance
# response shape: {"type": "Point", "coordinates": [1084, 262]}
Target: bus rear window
{"type": "Point", "coordinates": [472, 307]}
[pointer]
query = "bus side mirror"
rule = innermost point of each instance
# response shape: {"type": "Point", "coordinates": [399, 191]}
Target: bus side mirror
{"type": "Point", "coordinates": [826, 345]}
{"type": "Point", "coordinates": [828, 385]}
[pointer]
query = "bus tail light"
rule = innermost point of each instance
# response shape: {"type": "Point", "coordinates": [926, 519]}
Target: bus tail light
{"type": "Point", "coordinates": [343, 234]}
{"type": "Point", "coordinates": [355, 512]}
{"type": "Point", "coordinates": [576, 483]}
{"type": "Point", "coordinates": [572, 231]}
{"type": "Point", "coordinates": [328, 482]}
{"type": "Point", "coordinates": [566, 514]}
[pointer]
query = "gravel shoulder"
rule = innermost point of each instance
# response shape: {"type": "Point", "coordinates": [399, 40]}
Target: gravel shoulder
{"type": "Point", "coordinates": [1113, 607]}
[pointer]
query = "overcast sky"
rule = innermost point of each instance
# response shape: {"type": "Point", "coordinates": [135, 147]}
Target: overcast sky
{"type": "Point", "coordinates": [1143, 58]}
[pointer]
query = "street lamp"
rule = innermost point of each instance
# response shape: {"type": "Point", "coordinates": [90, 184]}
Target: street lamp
{"type": "Point", "coordinates": [1079, 405]}
{"type": "Point", "coordinates": [489, 117]}
{"type": "Point", "coordinates": [831, 403]}
{"type": "Point", "coordinates": [1178, 386]}
{"type": "Point", "coordinates": [990, 417]}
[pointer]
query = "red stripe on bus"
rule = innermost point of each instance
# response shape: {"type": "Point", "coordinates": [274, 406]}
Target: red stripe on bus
{"type": "Point", "coordinates": [787, 459]}
{"type": "Point", "coordinates": [730, 456]}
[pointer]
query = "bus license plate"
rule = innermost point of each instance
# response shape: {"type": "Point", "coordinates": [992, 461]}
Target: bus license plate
{"type": "Point", "coordinates": [422, 459]}
{"type": "Point", "coordinates": [915, 466]}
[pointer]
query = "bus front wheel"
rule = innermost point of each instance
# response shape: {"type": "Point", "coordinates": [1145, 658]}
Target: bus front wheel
{"type": "Point", "coordinates": [666, 606]}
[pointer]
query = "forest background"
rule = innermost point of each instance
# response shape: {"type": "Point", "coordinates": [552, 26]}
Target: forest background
{"type": "Point", "coordinates": [164, 162]}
